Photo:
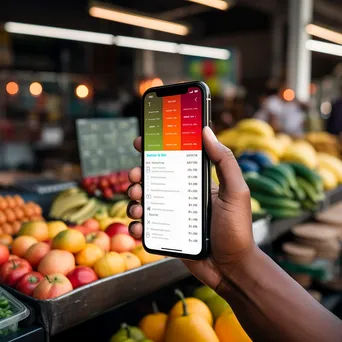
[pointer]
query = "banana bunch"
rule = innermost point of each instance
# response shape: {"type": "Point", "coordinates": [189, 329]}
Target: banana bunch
{"type": "Point", "coordinates": [73, 205]}
{"type": "Point", "coordinates": [301, 152]}
{"type": "Point", "coordinates": [324, 142]}
{"type": "Point", "coordinates": [331, 164]}
{"type": "Point", "coordinates": [118, 209]}
{"type": "Point", "coordinates": [255, 127]}
{"type": "Point", "coordinates": [228, 137]}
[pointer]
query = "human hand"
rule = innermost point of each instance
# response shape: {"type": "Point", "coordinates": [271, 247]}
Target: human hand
{"type": "Point", "coordinates": [231, 224]}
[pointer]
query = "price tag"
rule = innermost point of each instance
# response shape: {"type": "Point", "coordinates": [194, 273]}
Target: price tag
{"type": "Point", "coordinates": [106, 145]}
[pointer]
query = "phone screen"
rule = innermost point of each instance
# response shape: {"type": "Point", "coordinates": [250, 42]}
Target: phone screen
{"type": "Point", "coordinates": [173, 172]}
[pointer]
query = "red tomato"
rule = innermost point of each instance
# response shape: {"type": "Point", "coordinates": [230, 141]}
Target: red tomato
{"type": "Point", "coordinates": [29, 282]}
{"type": "Point", "coordinates": [4, 254]}
{"type": "Point", "coordinates": [12, 271]}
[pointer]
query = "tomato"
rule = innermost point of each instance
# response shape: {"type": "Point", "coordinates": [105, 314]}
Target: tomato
{"type": "Point", "coordinates": [12, 271]}
{"type": "Point", "coordinates": [29, 282]}
{"type": "Point", "coordinates": [4, 254]}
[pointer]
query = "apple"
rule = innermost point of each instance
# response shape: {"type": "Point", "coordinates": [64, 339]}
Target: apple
{"type": "Point", "coordinates": [124, 186]}
{"type": "Point", "coordinates": [87, 182]}
{"type": "Point", "coordinates": [29, 282]}
{"type": "Point", "coordinates": [91, 189]}
{"type": "Point", "coordinates": [100, 239]}
{"type": "Point", "coordinates": [115, 188]}
{"type": "Point", "coordinates": [84, 230]}
{"type": "Point", "coordinates": [108, 193]}
{"type": "Point", "coordinates": [116, 228]}
{"type": "Point", "coordinates": [52, 286]}
{"type": "Point", "coordinates": [104, 183]}
{"type": "Point", "coordinates": [81, 275]}
{"type": "Point", "coordinates": [113, 179]}
{"type": "Point", "coordinates": [92, 224]}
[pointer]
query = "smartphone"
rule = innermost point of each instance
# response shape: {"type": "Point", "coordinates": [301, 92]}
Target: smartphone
{"type": "Point", "coordinates": [176, 170]}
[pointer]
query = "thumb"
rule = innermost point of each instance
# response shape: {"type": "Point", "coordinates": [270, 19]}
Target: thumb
{"type": "Point", "coordinates": [227, 168]}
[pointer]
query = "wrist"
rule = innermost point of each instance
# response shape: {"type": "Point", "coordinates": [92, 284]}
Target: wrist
{"type": "Point", "coordinates": [241, 273]}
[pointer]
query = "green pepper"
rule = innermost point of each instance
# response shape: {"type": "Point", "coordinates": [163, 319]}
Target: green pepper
{"type": "Point", "coordinates": [3, 302]}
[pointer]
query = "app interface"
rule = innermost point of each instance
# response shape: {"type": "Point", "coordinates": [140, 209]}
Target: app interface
{"type": "Point", "coordinates": [173, 172]}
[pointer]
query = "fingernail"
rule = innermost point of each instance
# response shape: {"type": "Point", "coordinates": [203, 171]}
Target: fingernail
{"type": "Point", "coordinates": [130, 227]}
{"type": "Point", "coordinates": [210, 133]}
{"type": "Point", "coordinates": [130, 206]}
{"type": "Point", "coordinates": [129, 190]}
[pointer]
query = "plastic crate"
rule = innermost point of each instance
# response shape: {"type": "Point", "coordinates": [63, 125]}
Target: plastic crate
{"type": "Point", "coordinates": [20, 312]}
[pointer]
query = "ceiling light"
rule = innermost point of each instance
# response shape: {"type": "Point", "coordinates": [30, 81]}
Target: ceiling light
{"type": "Point", "coordinates": [218, 4]}
{"type": "Point", "coordinates": [146, 44]}
{"type": "Point", "coordinates": [36, 89]}
{"type": "Point", "coordinates": [322, 47]}
{"type": "Point", "coordinates": [113, 14]}
{"type": "Point", "coordinates": [82, 91]}
{"type": "Point", "coordinates": [324, 33]}
{"type": "Point", "coordinates": [203, 51]}
{"type": "Point", "coordinates": [12, 88]}
{"type": "Point", "coordinates": [59, 33]}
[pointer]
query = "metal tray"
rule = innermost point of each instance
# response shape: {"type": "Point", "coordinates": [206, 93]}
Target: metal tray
{"type": "Point", "coordinates": [59, 314]}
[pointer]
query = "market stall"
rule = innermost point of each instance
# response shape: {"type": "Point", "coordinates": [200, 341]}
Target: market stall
{"type": "Point", "coordinates": [72, 260]}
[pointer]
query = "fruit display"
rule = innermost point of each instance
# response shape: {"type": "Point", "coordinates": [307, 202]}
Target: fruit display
{"type": "Point", "coordinates": [50, 258]}
{"type": "Point", "coordinates": [75, 206]}
{"type": "Point", "coordinates": [331, 164]}
{"type": "Point", "coordinates": [325, 142]}
{"type": "Point", "coordinates": [108, 186]}
{"type": "Point", "coordinates": [204, 317]}
{"type": "Point", "coordinates": [14, 211]}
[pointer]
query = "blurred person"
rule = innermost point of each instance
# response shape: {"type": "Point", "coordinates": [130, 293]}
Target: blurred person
{"type": "Point", "coordinates": [334, 122]}
{"type": "Point", "coordinates": [269, 304]}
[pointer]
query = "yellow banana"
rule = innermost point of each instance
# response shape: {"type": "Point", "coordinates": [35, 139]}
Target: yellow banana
{"type": "Point", "coordinates": [255, 126]}
{"type": "Point", "coordinates": [332, 164]}
{"type": "Point", "coordinates": [329, 179]}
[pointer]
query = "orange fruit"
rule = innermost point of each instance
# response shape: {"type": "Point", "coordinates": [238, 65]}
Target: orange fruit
{"type": "Point", "coordinates": [89, 255]}
{"type": "Point", "coordinates": [55, 227]}
{"type": "Point", "coordinates": [131, 260]}
{"type": "Point", "coordinates": [21, 244]}
{"type": "Point", "coordinates": [69, 240]}
{"type": "Point", "coordinates": [145, 257]}
{"type": "Point", "coordinates": [154, 326]}
{"type": "Point", "coordinates": [229, 329]}
{"type": "Point", "coordinates": [195, 306]}
{"type": "Point", "coordinates": [37, 229]}
{"type": "Point", "coordinates": [110, 264]}
{"type": "Point", "coordinates": [6, 239]}
{"type": "Point", "coordinates": [57, 261]}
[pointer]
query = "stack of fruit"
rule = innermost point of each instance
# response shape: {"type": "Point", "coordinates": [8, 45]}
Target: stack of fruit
{"type": "Point", "coordinates": [14, 211]}
{"type": "Point", "coordinates": [75, 206]}
{"type": "Point", "coordinates": [284, 190]}
{"type": "Point", "coordinates": [330, 169]}
{"type": "Point", "coordinates": [107, 186]}
{"type": "Point", "coordinates": [325, 142]}
{"type": "Point", "coordinates": [49, 259]}
{"type": "Point", "coordinates": [255, 136]}
{"type": "Point", "coordinates": [207, 318]}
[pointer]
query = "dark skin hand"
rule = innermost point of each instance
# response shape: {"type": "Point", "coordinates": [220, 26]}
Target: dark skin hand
{"type": "Point", "coordinates": [269, 304]}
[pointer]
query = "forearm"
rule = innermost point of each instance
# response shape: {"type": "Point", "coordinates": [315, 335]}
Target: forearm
{"type": "Point", "coordinates": [271, 306]}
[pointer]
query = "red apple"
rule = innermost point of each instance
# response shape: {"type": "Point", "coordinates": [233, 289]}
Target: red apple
{"type": "Point", "coordinates": [104, 183]}
{"type": "Point", "coordinates": [124, 186]}
{"type": "Point", "coordinates": [108, 193]}
{"type": "Point", "coordinates": [87, 182]}
{"type": "Point", "coordinates": [82, 229]}
{"type": "Point", "coordinates": [100, 239]}
{"type": "Point", "coordinates": [29, 282]}
{"type": "Point", "coordinates": [116, 228]}
{"type": "Point", "coordinates": [113, 179]}
{"type": "Point", "coordinates": [116, 188]}
{"type": "Point", "coordinates": [92, 224]}
{"type": "Point", "coordinates": [81, 275]}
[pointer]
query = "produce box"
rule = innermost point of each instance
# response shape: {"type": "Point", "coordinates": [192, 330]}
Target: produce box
{"type": "Point", "coordinates": [87, 302]}
{"type": "Point", "coordinates": [11, 313]}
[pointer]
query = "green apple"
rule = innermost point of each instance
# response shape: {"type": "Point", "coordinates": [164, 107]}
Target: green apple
{"type": "Point", "coordinates": [204, 293]}
{"type": "Point", "coordinates": [128, 334]}
{"type": "Point", "coordinates": [217, 305]}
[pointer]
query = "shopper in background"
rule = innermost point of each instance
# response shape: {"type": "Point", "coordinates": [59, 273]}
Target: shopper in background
{"type": "Point", "coordinates": [334, 122]}
{"type": "Point", "coordinates": [269, 304]}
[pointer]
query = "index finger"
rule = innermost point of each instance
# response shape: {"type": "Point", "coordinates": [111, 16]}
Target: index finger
{"type": "Point", "coordinates": [137, 144]}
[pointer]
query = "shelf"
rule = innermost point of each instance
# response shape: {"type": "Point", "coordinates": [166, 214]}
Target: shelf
{"type": "Point", "coordinates": [280, 227]}
{"type": "Point", "coordinates": [59, 314]}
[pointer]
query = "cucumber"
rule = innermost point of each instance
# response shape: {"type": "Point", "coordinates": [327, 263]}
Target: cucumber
{"type": "Point", "coordinates": [284, 171]}
{"type": "Point", "coordinates": [282, 213]}
{"type": "Point", "coordinates": [277, 177]}
{"type": "Point", "coordinates": [310, 191]}
{"type": "Point", "coordinates": [261, 159]}
{"type": "Point", "coordinates": [267, 201]}
{"type": "Point", "coordinates": [263, 184]}
{"type": "Point", "coordinates": [311, 176]}
{"type": "Point", "coordinates": [309, 205]}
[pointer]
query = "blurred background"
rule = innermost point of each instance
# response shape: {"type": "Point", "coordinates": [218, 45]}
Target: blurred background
{"type": "Point", "coordinates": [65, 60]}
